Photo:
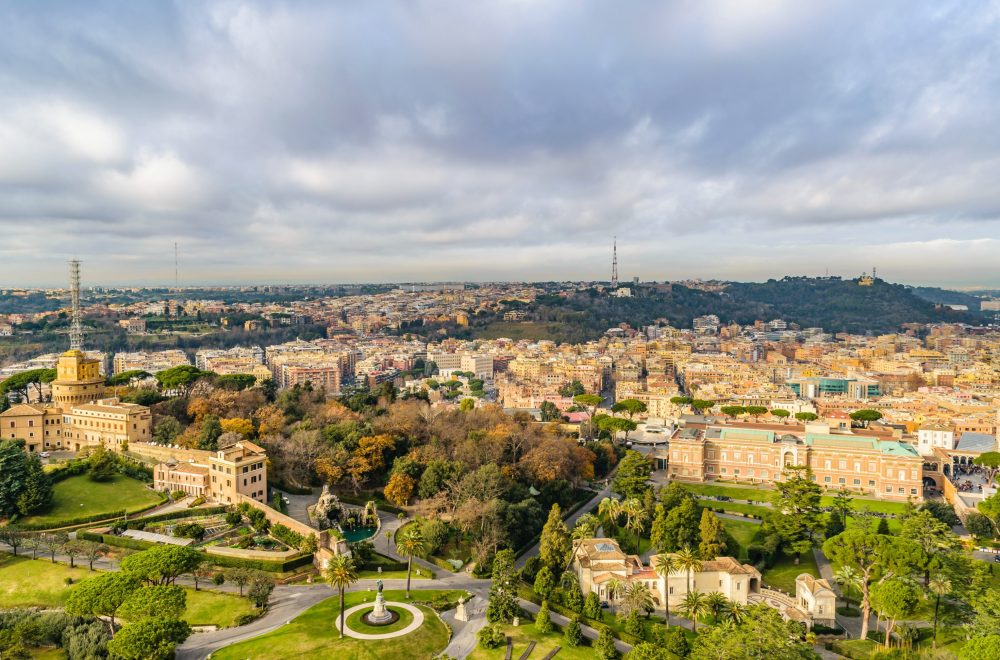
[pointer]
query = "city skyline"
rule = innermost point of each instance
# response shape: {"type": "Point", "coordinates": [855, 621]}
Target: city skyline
{"type": "Point", "coordinates": [306, 143]}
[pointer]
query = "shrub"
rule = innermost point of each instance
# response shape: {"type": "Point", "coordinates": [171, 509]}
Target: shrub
{"type": "Point", "coordinates": [189, 531]}
{"type": "Point", "coordinates": [178, 494]}
{"type": "Point", "coordinates": [249, 617]}
{"type": "Point", "coordinates": [573, 634]}
{"type": "Point", "coordinates": [286, 535]}
{"type": "Point", "coordinates": [633, 625]}
{"type": "Point", "coordinates": [219, 579]}
{"type": "Point", "coordinates": [198, 501]}
{"type": "Point", "coordinates": [543, 622]}
{"type": "Point", "coordinates": [491, 637]}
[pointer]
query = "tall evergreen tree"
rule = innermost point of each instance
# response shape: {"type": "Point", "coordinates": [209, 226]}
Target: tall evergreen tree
{"type": "Point", "coordinates": [555, 544]}
{"type": "Point", "coordinates": [713, 536]}
{"type": "Point", "coordinates": [798, 516]}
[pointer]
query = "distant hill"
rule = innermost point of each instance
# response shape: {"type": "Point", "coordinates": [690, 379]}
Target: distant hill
{"type": "Point", "coordinates": [947, 297]}
{"type": "Point", "coordinates": [834, 304]}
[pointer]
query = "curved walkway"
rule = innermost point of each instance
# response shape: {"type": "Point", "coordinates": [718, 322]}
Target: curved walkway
{"type": "Point", "coordinates": [418, 620]}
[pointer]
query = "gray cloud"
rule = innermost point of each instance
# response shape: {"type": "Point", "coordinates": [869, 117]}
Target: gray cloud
{"type": "Point", "coordinates": [303, 141]}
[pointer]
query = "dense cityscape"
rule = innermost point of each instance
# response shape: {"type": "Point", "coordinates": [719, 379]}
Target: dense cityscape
{"type": "Point", "coordinates": [828, 486]}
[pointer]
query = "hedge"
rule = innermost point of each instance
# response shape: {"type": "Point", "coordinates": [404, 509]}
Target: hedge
{"type": "Point", "coordinates": [183, 513]}
{"type": "Point", "coordinates": [265, 565]}
{"type": "Point", "coordinates": [83, 520]}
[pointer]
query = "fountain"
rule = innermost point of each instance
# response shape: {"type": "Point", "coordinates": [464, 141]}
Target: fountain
{"type": "Point", "coordinates": [380, 615]}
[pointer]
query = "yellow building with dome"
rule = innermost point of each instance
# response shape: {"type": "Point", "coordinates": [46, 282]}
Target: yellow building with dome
{"type": "Point", "coordinates": [79, 415]}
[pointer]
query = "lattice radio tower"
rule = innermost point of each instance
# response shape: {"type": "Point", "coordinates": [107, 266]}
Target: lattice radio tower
{"type": "Point", "coordinates": [614, 264]}
{"type": "Point", "coordinates": [76, 327]}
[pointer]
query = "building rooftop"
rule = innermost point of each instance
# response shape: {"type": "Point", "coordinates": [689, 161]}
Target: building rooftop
{"type": "Point", "coordinates": [976, 442]}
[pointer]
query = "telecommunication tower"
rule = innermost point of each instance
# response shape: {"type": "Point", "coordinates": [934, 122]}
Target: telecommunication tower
{"type": "Point", "coordinates": [614, 264]}
{"type": "Point", "coordinates": [76, 326]}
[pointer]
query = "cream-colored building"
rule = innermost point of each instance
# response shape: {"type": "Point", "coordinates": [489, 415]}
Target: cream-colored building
{"type": "Point", "coordinates": [599, 563]}
{"type": "Point", "coordinates": [222, 475]}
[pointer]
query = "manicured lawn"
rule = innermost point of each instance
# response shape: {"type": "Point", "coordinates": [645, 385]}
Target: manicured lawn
{"type": "Point", "coordinates": [782, 575]}
{"type": "Point", "coordinates": [371, 570]}
{"type": "Point", "coordinates": [314, 635]}
{"type": "Point", "coordinates": [523, 635]}
{"type": "Point", "coordinates": [763, 494]}
{"type": "Point", "coordinates": [212, 608]}
{"type": "Point", "coordinates": [39, 583]}
{"type": "Point", "coordinates": [79, 496]}
{"type": "Point", "coordinates": [454, 547]}
{"type": "Point", "coordinates": [743, 533]}
{"type": "Point", "coordinates": [737, 507]}
{"type": "Point", "coordinates": [25, 582]}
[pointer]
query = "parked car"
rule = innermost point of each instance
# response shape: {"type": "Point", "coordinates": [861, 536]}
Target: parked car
{"type": "Point", "coordinates": [604, 605]}
{"type": "Point", "coordinates": [45, 454]}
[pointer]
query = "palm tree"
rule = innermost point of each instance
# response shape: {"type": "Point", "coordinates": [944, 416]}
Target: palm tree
{"type": "Point", "coordinates": [586, 527]}
{"type": "Point", "coordinates": [737, 612]}
{"type": "Point", "coordinates": [568, 580]}
{"type": "Point", "coordinates": [688, 561]}
{"type": "Point", "coordinates": [340, 574]}
{"type": "Point", "coordinates": [635, 518]}
{"type": "Point", "coordinates": [610, 509]}
{"type": "Point", "coordinates": [717, 604]}
{"type": "Point", "coordinates": [847, 577]}
{"type": "Point", "coordinates": [693, 606]}
{"type": "Point", "coordinates": [614, 588]}
{"type": "Point", "coordinates": [637, 598]}
{"type": "Point", "coordinates": [939, 586]}
{"type": "Point", "coordinates": [664, 565]}
{"type": "Point", "coordinates": [411, 543]}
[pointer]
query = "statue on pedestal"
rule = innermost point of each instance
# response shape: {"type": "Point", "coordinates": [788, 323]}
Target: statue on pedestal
{"type": "Point", "coordinates": [379, 614]}
{"type": "Point", "coordinates": [460, 612]}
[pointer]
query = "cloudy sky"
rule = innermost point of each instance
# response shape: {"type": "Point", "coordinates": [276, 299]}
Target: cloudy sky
{"type": "Point", "coordinates": [380, 141]}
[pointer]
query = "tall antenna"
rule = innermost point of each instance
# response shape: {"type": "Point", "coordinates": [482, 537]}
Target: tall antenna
{"type": "Point", "coordinates": [873, 272]}
{"type": "Point", "coordinates": [614, 264]}
{"type": "Point", "coordinates": [177, 279]}
{"type": "Point", "coordinates": [76, 327]}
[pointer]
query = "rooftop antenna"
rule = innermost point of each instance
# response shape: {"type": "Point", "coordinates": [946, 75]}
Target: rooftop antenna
{"type": "Point", "coordinates": [76, 327]}
{"type": "Point", "coordinates": [873, 273]}
{"type": "Point", "coordinates": [177, 279]}
{"type": "Point", "coordinates": [614, 264]}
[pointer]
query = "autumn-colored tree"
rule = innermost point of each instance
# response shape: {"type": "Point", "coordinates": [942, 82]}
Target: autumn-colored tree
{"type": "Point", "coordinates": [270, 418]}
{"type": "Point", "coordinates": [400, 489]}
{"type": "Point", "coordinates": [238, 425]}
{"type": "Point", "coordinates": [332, 465]}
{"type": "Point", "coordinates": [368, 457]}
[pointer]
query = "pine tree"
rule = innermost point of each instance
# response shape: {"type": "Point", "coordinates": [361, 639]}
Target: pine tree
{"type": "Point", "coordinates": [658, 533]}
{"type": "Point", "coordinates": [798, 517]}
{"type": "Point", "coordinates": [37, 494]}
{"type": "Point", "coordinates": [713, 536]}
{"type": "Point", "coordinates": [604, 647]}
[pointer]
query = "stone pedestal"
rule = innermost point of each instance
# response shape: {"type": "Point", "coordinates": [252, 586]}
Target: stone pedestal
{"type": "Point", "coordinates": [379, 614]}
{"type": "Point", "coordinates": [460, 613]}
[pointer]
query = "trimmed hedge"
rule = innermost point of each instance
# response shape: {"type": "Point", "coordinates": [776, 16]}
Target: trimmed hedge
{"type": "Point", "coordinates": [96, 517]}
{"type": "Point", "coordinates": [585, 621]}
{"type": "Point", "coordinates": [199, 513]}
{"type": "Point", "coordinates": [218, 560]}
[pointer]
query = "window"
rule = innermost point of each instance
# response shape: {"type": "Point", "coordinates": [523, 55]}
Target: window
{"type": "Point", "coordinates": [901, 490]}
{"type": "Point", "coordinates": [871, 483]}
{"type": "Point", "coordinates": [826, 480]}
{"type": "Point", "coordinates": [857, 467]}
{"type": "Point", "coordinates": [842, 481]}
{"type": "Point", "coordinates": [671, 591]}
{"type": "Point", "coordinates": [888, 489]}
{"type": "Point", "coordinates": [736, 470]}
{"type": "Point", "coordinates": [828, 464]}
{"type": "Point", "coordinates": [857, 482]}
{"type": "Point", "coordinates": [913, 491]}
{"type": "Point", "coordinates": [723, 470]}
{"type": "Point", "coordinates": [843, 465]}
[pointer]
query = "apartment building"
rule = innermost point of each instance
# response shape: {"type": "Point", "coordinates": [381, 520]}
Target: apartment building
{"type": "Point", "coordinates": [238, 360]}
{"type": "Point", "coordinates": [151, 361]}
{"type": "Point", "coordinates": [887, 469]}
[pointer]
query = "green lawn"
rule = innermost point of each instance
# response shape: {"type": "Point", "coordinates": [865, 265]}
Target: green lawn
{"type": "Point", "coordinates": [763, 494]}
{"type": "Point", "coordinates": [370, 571]}
{"type": "Point", "coordinates": [782, 575]}
{"type": "Point", "coordinates": [314, 634]}
{"type": "Point", "coordinates": [25, 582]}
{"type": "Point", "coordinates": [743, 533]}
{"type": "Point", "coordinates": [523, 635]}
{"type": "Point", "coordinates": [212, 608]}
{"type": "Point", "coordinates": [78, 496]}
